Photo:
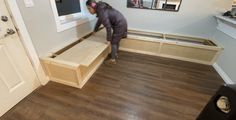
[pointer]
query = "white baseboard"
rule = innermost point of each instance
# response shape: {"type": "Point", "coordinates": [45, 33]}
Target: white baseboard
{"type": "Point", "coordinates": [224, 76]}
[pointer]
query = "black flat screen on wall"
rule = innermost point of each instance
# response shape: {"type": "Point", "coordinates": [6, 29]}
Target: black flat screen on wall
{"type": "Point", "coordinates": [66, 7]}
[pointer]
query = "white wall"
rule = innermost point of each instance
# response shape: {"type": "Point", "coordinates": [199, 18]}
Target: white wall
{"type": "Point", "coordinates": [41, 26]}
{"type": "Point", "coordinates": [194, 18]}
{"type": "Point", "coordinates": [227, 59]}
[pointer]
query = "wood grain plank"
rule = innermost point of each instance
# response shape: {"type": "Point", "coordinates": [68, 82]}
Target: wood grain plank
{"type": "Point", "coordinates": [139, 87]}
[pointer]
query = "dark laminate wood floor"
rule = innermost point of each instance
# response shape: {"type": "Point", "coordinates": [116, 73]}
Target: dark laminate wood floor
{"type": "Point", "coordinates": [139, 87]}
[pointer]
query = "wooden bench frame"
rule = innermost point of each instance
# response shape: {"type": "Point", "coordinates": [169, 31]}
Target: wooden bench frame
{"type": "Point", "coordinates": [151, 43]}
{"type": "Point", "coordinates": [72, 73]}
{"type": "Point", "coordinates": [192, 49]}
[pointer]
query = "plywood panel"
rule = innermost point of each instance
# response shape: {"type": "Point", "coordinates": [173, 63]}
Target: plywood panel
{"type": "Point", "coordinates": [85, 70]}
{"type": "Point", "coordinates": [62, 73]}
{"type": "Point", "coordinates": [98, 37]}
{"type": "Point", "coordinates": [146, 33]}
{"type": "Point", "coordinates": [184, 38]}
{"type": "Point", "coordinates": [86, 51]}
{"type": "Point", "coordinates": [188, 52]}
{"type": "Point", "coordinates": [140, 45]}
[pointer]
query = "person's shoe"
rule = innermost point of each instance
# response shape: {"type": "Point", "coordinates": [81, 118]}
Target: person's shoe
{"type": "Point", "coordinates": [109, 56]}
{"type": "Point", "coordinates": [111, 61]}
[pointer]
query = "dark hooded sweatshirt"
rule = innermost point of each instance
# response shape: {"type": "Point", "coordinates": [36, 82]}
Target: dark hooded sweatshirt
{"type": "Point", "coordinates": [111, 20]}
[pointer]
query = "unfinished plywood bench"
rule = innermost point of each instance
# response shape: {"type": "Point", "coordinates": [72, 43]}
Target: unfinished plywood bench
{"type": "Point", "coordinates": [76, 65]}
{"type": "Point", "coordinates": [185, 48]}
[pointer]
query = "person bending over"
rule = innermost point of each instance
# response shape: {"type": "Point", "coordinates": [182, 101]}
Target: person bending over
{"type": "Point", "coordinates": [114, 22]}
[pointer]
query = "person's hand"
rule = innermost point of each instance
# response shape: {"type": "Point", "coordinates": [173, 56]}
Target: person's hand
{"type": "Point", "coordinates": [108, 42]}
{"type": "Point", "coordinates": [93, 33]}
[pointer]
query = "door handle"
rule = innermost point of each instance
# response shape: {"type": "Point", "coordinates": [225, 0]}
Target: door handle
{"type": "Point", "coordinates": [10, 31]}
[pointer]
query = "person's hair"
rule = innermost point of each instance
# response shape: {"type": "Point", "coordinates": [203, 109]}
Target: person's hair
{"type": "Point", "coordinates": [91, 3]}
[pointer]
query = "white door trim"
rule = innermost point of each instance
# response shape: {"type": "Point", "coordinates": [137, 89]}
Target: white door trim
{"type": "Point", "coordinates": [26, 41]}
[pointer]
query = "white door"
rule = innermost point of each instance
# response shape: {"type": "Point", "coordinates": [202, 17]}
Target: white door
{"type": "Point", "coordinates": [17, 77]}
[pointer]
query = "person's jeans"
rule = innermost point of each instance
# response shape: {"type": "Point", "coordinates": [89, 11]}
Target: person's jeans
{"type": "Point", "coordinates": [114, 50]}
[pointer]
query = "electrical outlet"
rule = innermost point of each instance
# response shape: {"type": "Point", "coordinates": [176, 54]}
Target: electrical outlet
{"type": "Point", "coordinates": [29, 3]}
